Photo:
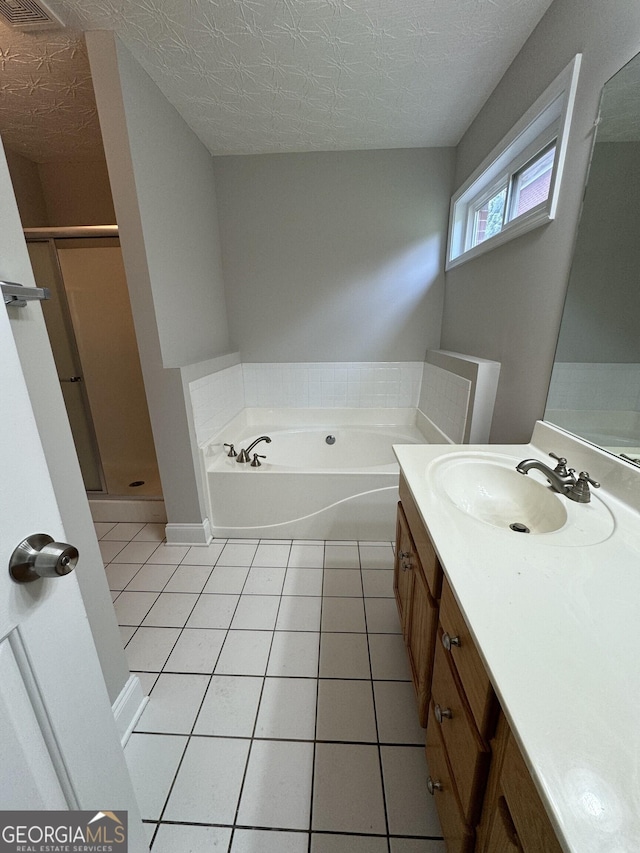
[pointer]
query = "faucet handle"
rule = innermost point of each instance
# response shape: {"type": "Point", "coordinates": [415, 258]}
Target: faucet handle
{"type": "Point", "coordinates": [255, 462]}
{"type": "Point", "coordinates": [232, 450]}
{"type": "Point", "coordinates": [561, 467]}
{"type": "Point", "coordinates": [580, 492]}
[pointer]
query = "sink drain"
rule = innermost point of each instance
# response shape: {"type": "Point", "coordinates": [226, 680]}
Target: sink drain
{"type": "Point", "coordinates": [519, 528]}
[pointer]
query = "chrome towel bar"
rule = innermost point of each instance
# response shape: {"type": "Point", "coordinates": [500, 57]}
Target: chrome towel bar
{"type": "Point", "coordinates": [17, 295]}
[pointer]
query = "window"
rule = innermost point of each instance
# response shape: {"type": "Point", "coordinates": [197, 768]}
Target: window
{"type": "Point", "coordinates": [516, 188]}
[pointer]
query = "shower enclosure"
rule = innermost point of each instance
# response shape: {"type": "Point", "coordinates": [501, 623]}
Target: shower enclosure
{"type": "Point", "coordinates": [91, 331]}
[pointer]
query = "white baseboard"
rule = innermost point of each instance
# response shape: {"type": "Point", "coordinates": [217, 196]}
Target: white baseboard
{"type": "Point", "coordinates": [114, 509]}
{"type": "Point", "coordinates": [128, 707]}
{"type": "Point", "coordinates": [189, 534]}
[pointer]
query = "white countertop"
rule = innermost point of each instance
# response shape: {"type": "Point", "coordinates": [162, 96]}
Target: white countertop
{"type": "Point", "coordinates": [558, 628]}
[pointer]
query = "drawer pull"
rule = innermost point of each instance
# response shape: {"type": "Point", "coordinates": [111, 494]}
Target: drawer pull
{"type": "Point", "coordinates": [406, 567]}
{"type": "Point", "coordinates": [405, 554]}
{"type": "Point", "coordinates": [432, 786]}
{"type": "Point", "coordinates": [448, 641]}
{"type": "Point", "coordinates": [442, 713]}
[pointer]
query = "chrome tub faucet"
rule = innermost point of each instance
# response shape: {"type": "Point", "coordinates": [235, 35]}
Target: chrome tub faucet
{"type": "Point", "coordinates": [243, 456]}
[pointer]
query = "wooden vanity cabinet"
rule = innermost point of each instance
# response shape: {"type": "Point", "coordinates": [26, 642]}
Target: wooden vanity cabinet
{"type": "Point", "coordinates": [484, 794]}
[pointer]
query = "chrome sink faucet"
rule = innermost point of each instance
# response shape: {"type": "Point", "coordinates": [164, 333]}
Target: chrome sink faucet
{"type": "Point", "coordinates": [562, 480]}
{"type": "Point", "coordinates": [243, 456]}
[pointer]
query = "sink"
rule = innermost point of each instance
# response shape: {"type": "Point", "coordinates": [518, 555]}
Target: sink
{"type": "Point", "coordinates": [487, 487]}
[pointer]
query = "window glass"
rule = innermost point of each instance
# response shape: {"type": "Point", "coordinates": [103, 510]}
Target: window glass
{"type": "Point", "coordinates": [532, 183]}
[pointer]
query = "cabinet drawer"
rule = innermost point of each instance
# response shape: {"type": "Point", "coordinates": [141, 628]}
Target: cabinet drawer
{"type": "Point", "coordinates": [467, 753]}
{"type": "Point", "coordinates": [428, 558]}
{"type": "Point", "coordinates": [460, 837]}
{"type": "Point", "coordinates": [467, 663]}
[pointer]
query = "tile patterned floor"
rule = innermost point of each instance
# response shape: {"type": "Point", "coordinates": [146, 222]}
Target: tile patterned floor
{"type": "Point", "coordinates": [281, 716]}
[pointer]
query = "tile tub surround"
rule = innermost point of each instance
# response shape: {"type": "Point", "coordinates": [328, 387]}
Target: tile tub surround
{"type": "Point", "coordinates": [281, 714]}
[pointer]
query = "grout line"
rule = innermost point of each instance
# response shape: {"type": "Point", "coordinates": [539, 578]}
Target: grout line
{"type": "Point", "coordinates": [315, 727]}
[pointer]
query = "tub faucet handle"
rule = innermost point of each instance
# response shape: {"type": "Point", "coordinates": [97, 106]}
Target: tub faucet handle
{"type": "Point", "coordinates": [255, 462]}
{"type": "Point", "coordinates": [232, 451]}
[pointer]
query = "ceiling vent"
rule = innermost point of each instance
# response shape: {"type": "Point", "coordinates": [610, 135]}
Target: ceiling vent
{"type": "Point", "coordinates": [29, 15]}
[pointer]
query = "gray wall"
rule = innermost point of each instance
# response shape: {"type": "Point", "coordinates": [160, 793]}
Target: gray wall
{"type": "Point", "coordinates": [32, 341]}
{"type": "Point", "coordinates": [601, 320]}
{"type": "Point", "coordinates": [334, 256]}
{"type": "Point", "coordinates": [507, 304]}
{"type": "Point", "coordinates": [164, 196]}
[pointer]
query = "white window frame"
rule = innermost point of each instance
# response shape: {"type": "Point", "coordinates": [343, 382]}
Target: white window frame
{"type": "Point", "coordinates": [547, 119]}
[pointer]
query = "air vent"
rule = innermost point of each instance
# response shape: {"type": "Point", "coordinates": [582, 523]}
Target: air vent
{"type": "Point", "coordinates": [29, 15]}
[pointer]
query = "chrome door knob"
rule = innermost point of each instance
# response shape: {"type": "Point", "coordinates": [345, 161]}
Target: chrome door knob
{"type": "Point", "coordinates": [432, 786]}
{"type": "Point", "coordinates": [448, 641]}
{"type": "Point", "coordinates": [38, 556]}
{"type": "Point", "coordinates": [442, 713]}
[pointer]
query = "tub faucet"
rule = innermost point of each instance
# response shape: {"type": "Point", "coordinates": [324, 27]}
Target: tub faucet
{"type": "Point", "coordinates": [561, 479]}
{"type": "Point", "coordinates": [243, 456]}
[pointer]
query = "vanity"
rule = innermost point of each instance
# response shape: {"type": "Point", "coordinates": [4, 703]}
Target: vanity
{"type": "Point", "coordinates": [523, 646]}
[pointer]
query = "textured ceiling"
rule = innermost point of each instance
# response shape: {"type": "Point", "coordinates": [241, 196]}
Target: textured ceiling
{"type": "Point", "coordinates": [255, 76]}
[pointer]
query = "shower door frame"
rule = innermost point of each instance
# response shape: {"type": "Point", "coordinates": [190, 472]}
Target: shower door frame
{"type": "Point", "coordinates": [49, 236]}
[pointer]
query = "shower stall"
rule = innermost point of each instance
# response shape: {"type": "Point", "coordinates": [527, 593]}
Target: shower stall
{"type": "Point", "coordinates": [90, 327]}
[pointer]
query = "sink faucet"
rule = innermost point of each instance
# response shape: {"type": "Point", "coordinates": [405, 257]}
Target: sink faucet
{"type": "Point", "coordinates": [561, 479]}
{"type": "Point", "coordinates": [243, 456]}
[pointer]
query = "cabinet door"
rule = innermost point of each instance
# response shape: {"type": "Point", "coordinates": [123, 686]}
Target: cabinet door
{"type": "Point", "coordinates": [403, 571]}
{"type": "Point", "coordinates": [502, 836]}
{"type": "Point", "coordinates": [423, 625]}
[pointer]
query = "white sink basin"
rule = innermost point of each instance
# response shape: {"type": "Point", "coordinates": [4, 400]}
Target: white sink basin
{"type": "Point", "coordinates": [487, 487]}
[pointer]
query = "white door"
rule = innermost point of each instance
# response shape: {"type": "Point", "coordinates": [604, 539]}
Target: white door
{"type": "Point", "coordinates": [59, 747]}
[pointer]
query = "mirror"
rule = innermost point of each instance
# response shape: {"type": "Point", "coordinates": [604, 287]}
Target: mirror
{"type": "Point", "coordinates": [595, 384]}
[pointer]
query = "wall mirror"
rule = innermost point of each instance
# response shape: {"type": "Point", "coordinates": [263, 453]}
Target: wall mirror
{"type": "Point", "coordinates": [595, 383]}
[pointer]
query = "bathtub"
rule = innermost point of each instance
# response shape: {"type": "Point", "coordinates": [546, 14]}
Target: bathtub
{"type": "Point", "coordinates": [307, 488]}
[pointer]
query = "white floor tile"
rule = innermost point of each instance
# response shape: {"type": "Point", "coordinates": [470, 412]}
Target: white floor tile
{"type": "Point", "coordinates": [299, 613]}
{"type": "Point", "coordinates": [208, 784]}
{"type": "Point", "coordinates": [341, 557]}
{"type": "Point", "coordinates": [343, 614]}
{"type": "Point", "coordinates": [203, 555]}
{"type": "Point", "coordinates": [382, 616]}
{"type": "Point", "coordinates": [121, 574]}
{"type": "Point", "coordinates": [124, 531]}
{"type": "Point", "coordinates": [114, 594]}
{"type": "Point", "coordinates": [344, 656]}
{"type": "Point", "coordinates": [234, 554]}
{"type": "Point", "coordinates": [127, 632]}
{"type": "Point", "coordinates": [173, 704]}
{"type": "Point", "coordinates": [410, 809]}
{"type": "Point", "coordinates": [172, 838]}
{"type": "Point", "coordinates": [294, 654]}
{"type": "Point", "coordinates": [169, 554]}
{"type": "Point", "coordinates": [271, 555]}
{"type": "Point", "coordinates": [264, 581]}
{"type": "Point", "coordinates": [109, 550]}
{"type": "Point", "coordinates": [213, 611]}
{"type": "Point", "coordinates": [376, 557]}
{"type": "Point", "coordinates": [345, 711]}
{"type": "Point", "coordinates": [230, 706]}
{"type": "Point", "coordinates": [397, 713]}
{"type": "Point", "coordinates": [256, 612]}
{"type": "Point", "coordinates": [103, 527]}
{"type": "Point", "coordinates": [286, 801]}
{"type": "Point", "coordinates": [415, 845]}
{"type": "Point", "coordinates": [306, 556]}
{"type": "Point", "coordinates": [149, 578]}
{"type": "Point", "coordinates": [377, 584]}
{"type": "Point", "coordinates": [197, 650]}
{"type": "Point", "coordinates": [347, 794]}
{"type": "Point", "coordinates": [303, 582]}
{"type": "Point", "coordinates": [321, 843]}
{"type": "Point", "coordinates": [152, 761]}
{"type": "Point", "coordinates": [287, 709]}
{"type": "Point", "coordinates": [150, 647]}
{"type": "Point", "coordinates": [342, 582]}
{"type": "Point", "coordinates": [132, 607]}
{"type": "Point", "coordinates": [147, 680]}
{"type": "Point", "coordinates": [389, 657]}
{"type": "Point", "coordinates": [265, 841]}
{"type": "Point", "coordinates": [227, 579]}
{"type": "Point", "coordinates": [275, 541]}
{"type": "Point", "coordinates": [151, 532]}
{"type": "Point", "coordinates": [134, 552]}
{"type": "Point", "coordinates": [188, 579]}
{"type": "Point", "coordinates": [171, 609]}
{"type": "Point", "coordinates": [244, 653]}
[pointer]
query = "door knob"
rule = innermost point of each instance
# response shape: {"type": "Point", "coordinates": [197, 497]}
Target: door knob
{"type": "Point", "coordinates": [40, 557]}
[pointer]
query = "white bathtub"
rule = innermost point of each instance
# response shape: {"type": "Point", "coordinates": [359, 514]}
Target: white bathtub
{"type": "Point", "coordinates": [307, 488]}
